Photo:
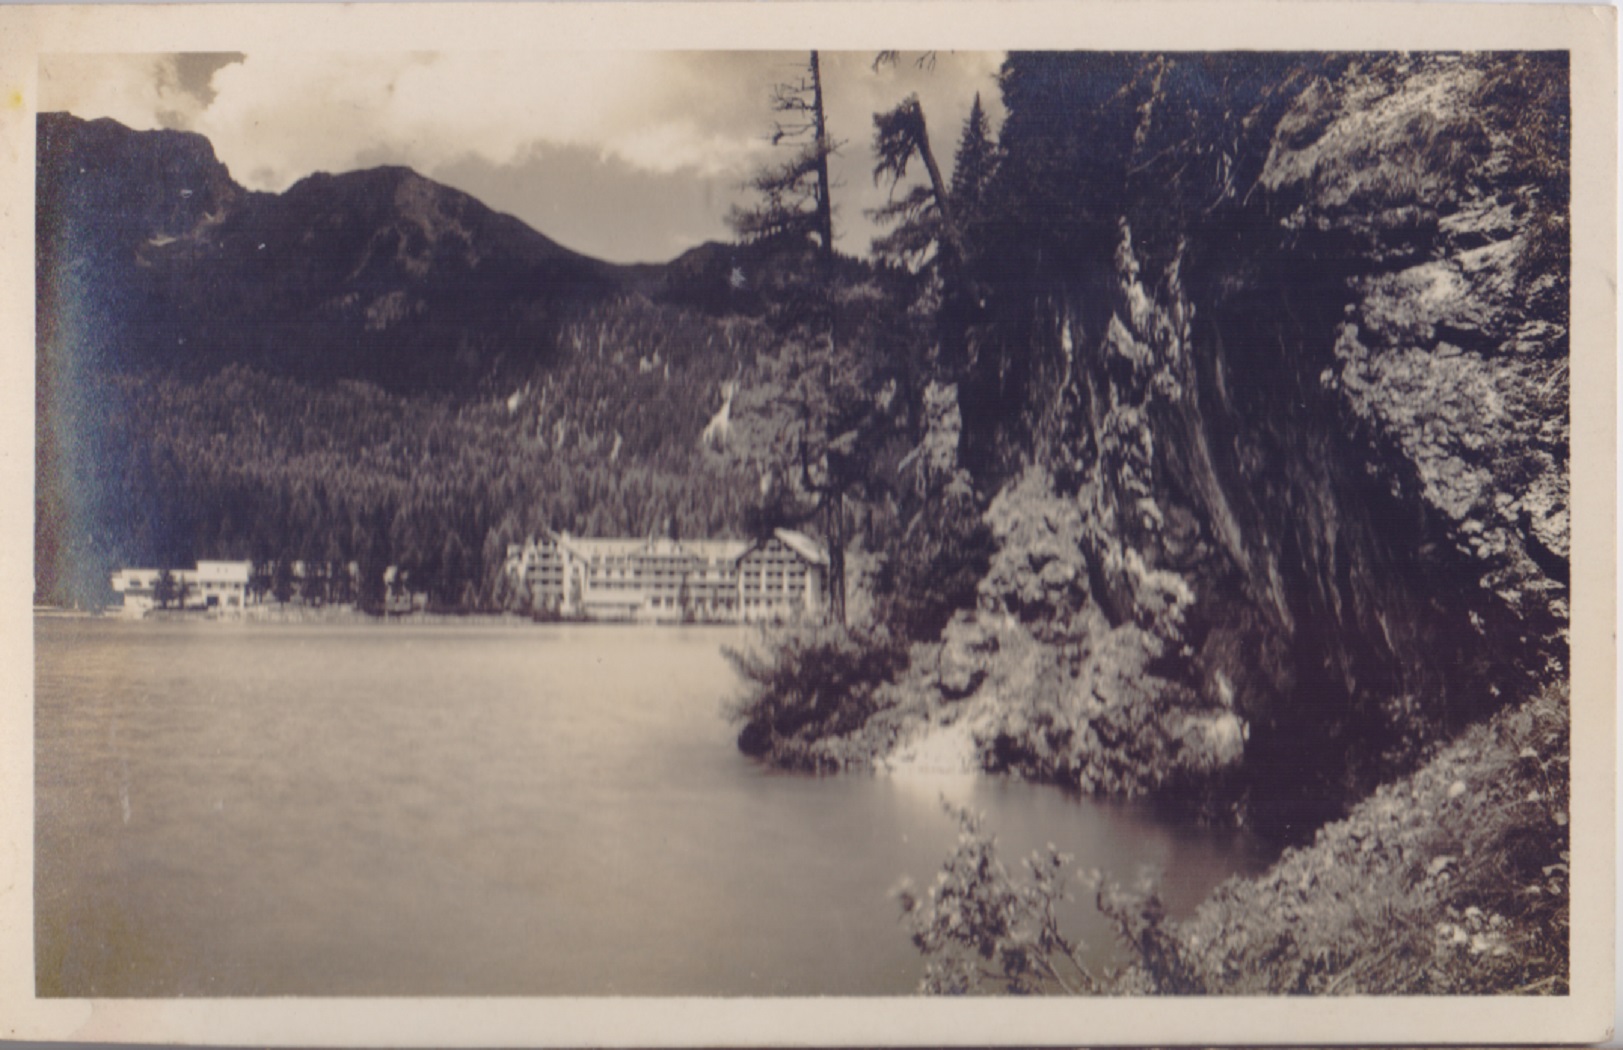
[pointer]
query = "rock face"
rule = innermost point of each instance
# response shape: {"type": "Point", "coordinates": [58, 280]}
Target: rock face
{"type": "Point", "coordinates": [1311, 435]}
{"type": "Point", "coordinates": [1452, 357]}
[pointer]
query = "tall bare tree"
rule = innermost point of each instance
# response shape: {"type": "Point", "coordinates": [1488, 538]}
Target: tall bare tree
{"type": "Point", "coordinates": [796, 201]}
{"type": "Point", "coordinates": [817, 404]}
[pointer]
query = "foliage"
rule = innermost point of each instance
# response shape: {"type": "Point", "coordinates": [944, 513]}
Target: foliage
{"type": "Point", "coordinates": [937, 565]}
{"type": "Point", "coordinates": [808, 685]}
{"type": "Point", "coordinates": [973, 168]}
{"type": "Point", "coordinates": [1101, 715]}
{"type": "Point", "coordinates": [243, 464]}
{"type": "Point", "coordinates": [982, 928]}
{"type": "Point", "coordinates": [795, 200]}
{"type": "Point", "coordinates": [165, 588]}
{"type": "Point", "coordinates": [815, 403]}
{"type": "Point", "coordinates": [926, 215]}
{"type": "Point", "coordinates": [1454, 880]}
{"type": "Point", "coordinates": [1528, 97]}
{"type": "Point", "coordinates": [1039, 573]}
{"type": "Point", "coordinates": [1169, 144]}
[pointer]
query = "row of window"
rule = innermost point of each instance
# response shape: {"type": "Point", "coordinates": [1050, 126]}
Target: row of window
{"type": "Point", "coordinates": [599, 579]}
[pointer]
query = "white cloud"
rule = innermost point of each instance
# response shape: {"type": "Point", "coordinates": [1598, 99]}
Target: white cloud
{"type": "Point", "coordinates": [277, 117]}
{"type": "Point", "coordinates": [139, 91]}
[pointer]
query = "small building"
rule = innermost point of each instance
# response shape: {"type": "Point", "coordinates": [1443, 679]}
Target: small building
{"type": "Point", "coordinates": [673, 581]}
{"type": "Point", "coordinates": [220, 586]}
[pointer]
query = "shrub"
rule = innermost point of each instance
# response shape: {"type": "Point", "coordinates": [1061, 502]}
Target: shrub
{"type": "Point", "coordinates": [1102, 720]}
{"type": "Point", "coordinates": [1039, 572]}
{"type": "Point", "coordinates": [1452, 881]}
{"type": "Point", "coordinates": [982, 928]}
{"type": "Point", "coordinates": [978, 926]}
{"type": "Point", "coordinates": [807, 684]}
{"type": "Point", "coordinates": [937, 565]}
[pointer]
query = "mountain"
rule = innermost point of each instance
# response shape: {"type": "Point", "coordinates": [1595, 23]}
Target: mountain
{"type": "Point", "coordinates": [380, 274]}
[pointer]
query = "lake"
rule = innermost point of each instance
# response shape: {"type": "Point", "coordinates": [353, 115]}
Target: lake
{"type": "Point", "coordinates": [247, 809]}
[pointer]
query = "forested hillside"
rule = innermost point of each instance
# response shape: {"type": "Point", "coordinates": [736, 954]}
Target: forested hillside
{"type": "Point", "coordinates": [368, 368]}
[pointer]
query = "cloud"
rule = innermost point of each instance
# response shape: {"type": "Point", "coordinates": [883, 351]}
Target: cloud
{"type": "Point", "coordinates": [140, 91]}
{"type": "Point", "coordinates": [678, 127]}
{"type": "Point", "coordinates": [277, 117]}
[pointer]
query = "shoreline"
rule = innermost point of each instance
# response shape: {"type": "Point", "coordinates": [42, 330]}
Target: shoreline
{"type": "Point", "coordinates": [350, 615]}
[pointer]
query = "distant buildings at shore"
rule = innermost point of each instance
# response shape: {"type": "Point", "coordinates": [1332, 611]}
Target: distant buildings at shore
{"type": "Point", "coordinates": [665, 580]}
{"type": "Point", "coordinates": [218, 585]}
{"type": "Point", "coordinates": [232, 588]}
{"type": "Point", "coordinates": [780, 578]}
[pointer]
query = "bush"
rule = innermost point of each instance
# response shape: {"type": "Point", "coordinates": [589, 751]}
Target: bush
{"type": "Point", "coordinates": [1454, 880]}
{"type": "Point", "coordinates": [1039, 572]}
{"type": "Point", "coordinates": [936, 567]}
{"type": "Point", "coordinates": [978, 926]}
{"type": "Point", "coordinates": [1101, 719]}
{"type": "Point", "coordinates": [982, 928]}
{"type": "Point", "coordinates": [808, 685]}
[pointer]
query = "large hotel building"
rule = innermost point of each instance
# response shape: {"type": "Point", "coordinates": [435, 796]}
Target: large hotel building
{"type": "Point", "coordinates": [704, 581]}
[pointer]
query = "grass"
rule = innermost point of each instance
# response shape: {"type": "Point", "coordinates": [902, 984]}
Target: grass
{"type": "Point", "coordinates": [1451, 881]}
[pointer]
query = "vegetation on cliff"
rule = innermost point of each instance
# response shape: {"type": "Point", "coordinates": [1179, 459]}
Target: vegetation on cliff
{"type": "Point", "coordinates": [1454, 880]}
{"type": "Point", "coordinates": [1264, 400]}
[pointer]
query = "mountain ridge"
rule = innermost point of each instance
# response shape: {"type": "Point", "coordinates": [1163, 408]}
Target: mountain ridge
{"type": "Point", "coordinates": [381, 273]}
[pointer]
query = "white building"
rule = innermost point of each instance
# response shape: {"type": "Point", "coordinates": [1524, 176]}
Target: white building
{"type": "Point", "coordinates": [665, 580]}
{"type": "Point", "coordinates": [221, 586]}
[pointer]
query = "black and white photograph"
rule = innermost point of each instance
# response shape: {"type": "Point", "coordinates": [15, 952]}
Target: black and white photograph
{"type": "Point", "coordinates": [566, 520]}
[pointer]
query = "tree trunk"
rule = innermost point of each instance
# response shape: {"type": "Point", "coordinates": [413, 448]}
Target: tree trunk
{"type": "Point", "coordinates": [825, 204]}
{"type": "Point", "coordinates": [834, 527]}
{"type": "Point", "coordinates": [938, 186]}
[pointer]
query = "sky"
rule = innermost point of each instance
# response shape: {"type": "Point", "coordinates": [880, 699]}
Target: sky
{"type": "Point", "coordinates": [627, 156]}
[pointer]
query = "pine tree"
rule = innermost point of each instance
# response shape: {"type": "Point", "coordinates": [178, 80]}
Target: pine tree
{"type": "Point", "coordinates": [807, 419]}
{"type": "Point", "coordinates": [933, 232]}
{"type": "Point", "coordinates": [163, 589]}
{"type": "Point", "coordinates": [973, 166]}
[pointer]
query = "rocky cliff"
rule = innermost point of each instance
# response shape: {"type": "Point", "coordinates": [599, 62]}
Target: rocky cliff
{"type": "Point", "coordinates": [1286, 340]}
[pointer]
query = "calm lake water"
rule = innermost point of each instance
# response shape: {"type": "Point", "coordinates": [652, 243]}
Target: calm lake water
{"type": "Point", "coordinates": [271, 809]}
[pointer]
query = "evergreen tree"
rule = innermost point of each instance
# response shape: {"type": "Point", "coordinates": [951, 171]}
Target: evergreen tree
{"type": "Point", "coordinates": [282, 580]}
{"type": "Point", "coordinates": [163, 589]}
{"type": "Point", "coordinates": [973, 167]}
{"type": "Point", "coordinates": [814, 395]}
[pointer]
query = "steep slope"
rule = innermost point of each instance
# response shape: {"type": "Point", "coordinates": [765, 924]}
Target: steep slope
{"type": "Point", "coordinates": [1267, 379]}
{"type": "Point", "coordinates": [1297, 366]}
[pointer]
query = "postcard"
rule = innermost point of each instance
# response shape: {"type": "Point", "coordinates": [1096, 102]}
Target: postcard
{"type": "Point", "coordinates": [822, 524]}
